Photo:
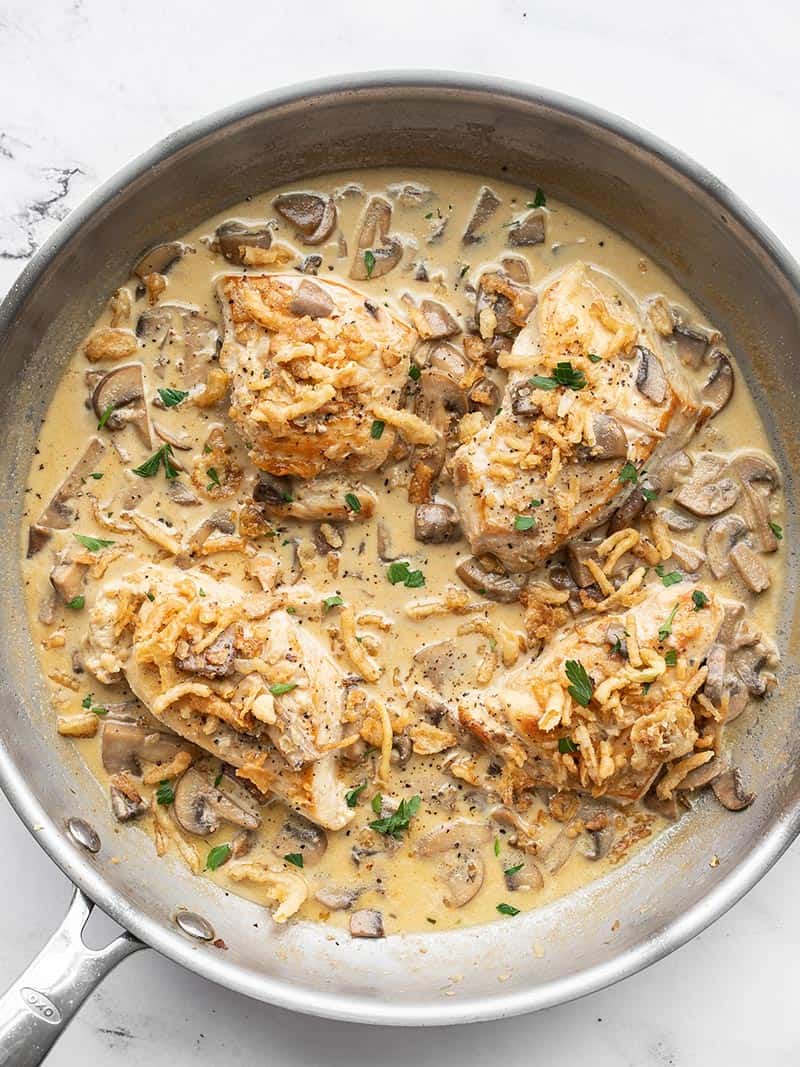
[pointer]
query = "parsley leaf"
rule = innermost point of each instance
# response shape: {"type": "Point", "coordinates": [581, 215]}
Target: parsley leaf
{"type": "Point", "coordinates": [648, 493]}
{"type": "Point", "coordinates": [369, 262]}
{"type": "Point", "coordinates": [332, 602]}
{"type": "Point", "coordinates": [507, 909]}
{"type": "Point", "coordinates": [566, 745]}
{"type": "Point", "coordinates": [513, 870]}
{"type": "Point", "coordinates": [537, 503]}
{"type": "Point", "coordinates": [105, 416]}
{"type": "Point", "coordinates": [668, 579]}
{"type": "Point", "coordinates": [581, 689]}
{"type": "Point", "coordinates": [414, 372]}
{"type": "Point", "coordinates": [96, 475]}
{"type": "Point", "coordinates": [377, 429]}
{"type": "Point", "coordinates": [165, 794]}
{"type": "Point", "coordinates": [699, 599]}
{"type": "Point", "coordinates": [665, 630]}
{"type": "Point", "coordinates": [213, 478]}
{"type": "Point", "coordinates": [280, 688]}
{"type": "Point", "coordinates": [87, 701]}
{"type": "Point", "coordinates": [295, 858]}
{"type": "Point", "coordinates": [628, 474]}
{"type": "Point", "coordinates": [77, 603]}
{"type": "Point", "coordinates": [393, 825]}
{"type": "Point", "coordinates": [593, 357]}
{"type": "Point", "coordinates": [777, 530]}
{"type": "Point", "coordinates": [218, 855]}
{"type": "Point", "coordinates": [671, 657]}
{"type": "Point", "coordinates": [497, 846]}
{"type": "Point", "coordinates": [564, 374]}
{"type": "Point", "coordinates": [524, 522]}
{"type": "Point", "coordinates": [400, 573]}
{"type": "Point", "coordinates": [149, 469]}
{"type": "Point", "coordinates": [352, 502]}
{"type": "Point", "coordinates": [352, 795]}
{"type": "Point", "coordinates": [94, 544]}
{"type": "Point", "coordinates": [539, 199]}
{"type": "Point", "coordinates": [172, 397]}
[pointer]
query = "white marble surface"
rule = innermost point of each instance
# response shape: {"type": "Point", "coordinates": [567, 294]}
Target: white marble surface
{"type": "Point", "coordinates": [87, 84]}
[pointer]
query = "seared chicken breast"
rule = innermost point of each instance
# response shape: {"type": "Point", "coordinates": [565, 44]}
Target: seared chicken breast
{"type": "Point", "coordinates": [609, 702]}
{"type": "Point", "coordinates": [313, 365]}
{"type": "Point", "coordinates": [591, 400]}
{"type": "Point", "coordinates": [233, 674]}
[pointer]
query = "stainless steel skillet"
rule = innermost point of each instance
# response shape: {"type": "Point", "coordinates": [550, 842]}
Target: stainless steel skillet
{"type": "Point", "coordinates": [679, 215]}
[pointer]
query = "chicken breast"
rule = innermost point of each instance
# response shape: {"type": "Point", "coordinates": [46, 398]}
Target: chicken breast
{"type": "Point", "coordinates": [589, 392]}
{"type": "Point", "coordinates": [233, 674]}
{"type": "Point", "coordinates": [312, 365]}
{"type": "Point", "coordinates": [609, 701]}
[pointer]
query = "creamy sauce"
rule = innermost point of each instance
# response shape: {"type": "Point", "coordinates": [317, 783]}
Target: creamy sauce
{"type": "Point", "coordinates": [406, 887]}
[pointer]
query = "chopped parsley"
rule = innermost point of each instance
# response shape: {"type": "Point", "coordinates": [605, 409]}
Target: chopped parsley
{"type": "Point", "coordinates": [149, 469]}
{"type": "Point", "coordinates": [77, 603]}
{"type": "Point", "coordinates": [295, 858]}
{"type": "Point", "coordinates": [332, 602]}
{"type": "Point", "coordinates": [507, 909]}
{"type": "Point", "coordinates": [165, 794]}
{"type": "Point", "coordinates": [628, 474]}
{"type": "Point", "coordinates": [671, 657]}
{"type": "Point", "coordinates": [463, 270]}
{"type": "Point", "coordinates": [96, 475]}
{"type": "Point", "coordinates": [581, 689]}
{"type": "Point", "coordinates": [593, 357]}
{"type": "Point", "coordinates": [564, 374]}
{"type": "Point", "coordinates": [94, 544]}
{"type": "Point", "coordinates": [213, 478]}
{"type": "Point", "coordinates": [414, 372]}
{"type": "Point", "coordinates": [497, 846]}
{"type": "Point", "coordinates": [539, 199]}
{"type": "Point", "coordinates": [648, 493]}
{"type": "Point", "coordinates": [377, 429]}
{"type": "Point", "coordinates": [524, 522]}
{"type": "Point", "coordinates": [699, 599]}
{"type": "Point", "coordinates": [566, 746]}
{"type": "Point", "coordinates": [369, 262]}
{"type": "Point", "coordinates": [616, 648]}
{"type": "Point", "coordinates": [218, 855]}
{"type": "Point", "coordinates": [352, 795]}
{"type": "Point", "coordinates": [172, 397]}
{"type": "Point", "coordinates": [400, 574]}
{"type": "Point", "coordinates": [393, 825]}
{"type": "Point", "coordinates": [280, 688]}
{"type": "Point", "coordinates": [665, 630]}
{"type": "Point", "coordinates": [89, 704]}
{"type": "Point", "coordinates": [777, 530]}
{"type": "Point", "coordinates": [668, 579]}
{"type": "Point", "coordinates": [513, 870]}
{"type": "Point", "coordinates": [536, 503]}
{"type": "Point", "coordinates": [352, 502]}
{"type": "Point", "coordinates": [87, 701]}
{"type": "Point", "coordinates": [151, 596]}
{"type": "Point", "coordinates": [105, 416]}
{"type": "Point", "coordinates": [218, 779]}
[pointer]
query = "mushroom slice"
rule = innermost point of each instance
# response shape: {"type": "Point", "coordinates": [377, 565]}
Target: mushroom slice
{"type": "Point", "coordinates": [126, 745]}
{"type": "Point", "coordinates": [691, 343]}
{"type": "Point", "coordinates": [485, 206]}
{"type": "Point", "coordinates": [522, 403]}
{"type": "Point", "coordinates": [366, 922]}
{"type": "Point", "coordinates": [510, 303]}
{"type": "Point", "coordinates": [675, 520]}
{"type": "Point", "coordinates": [559, 850]}
{"type": "Point", "coordinates": [517, 269]}
{"type": "Point", "coordinates": [154, 324]}
{"type": "Point", "coordinates": [457, 834]}
{"type": "Point", "coordinates": [729, 790]}
{"type": "Point", "coordinates": [126, 801]}
{"type": "Point", "coordinates": [378, 252]}
{"type": "Point", "coordinates": [121, 393]}
{"type": "Point", "coordinates": [200, 805]}
{"type": "Point", "coordinates": [215, 661]}
{"type": "Point", "coordinates": [160, 258]}
{"type": "Point", "coordinates": [528, 877]}
{"type": "Point", "coordinates": [436, 523]}
{"type": "Point", "coordinates": [720, 538]}
{"type": "Point", "coordinates": [318, 500]}
{"type": "Point", "coordinates": [299, 834]}
{"type": "Point", "coordinates": [312, 300]}
{"type": "Point", "coordinates": [59, 514]}
{"type": "Point", "coordinates": [528, 230]}
{"type": "Point", "coordinates": [383, 542]}
{"type": "Point", "coordinates": [484, 395]}
{"type": "Point", "coordinates": [577, 554]}
{"type": "Point", "coordinates": [314, 216]}
{"type": "Point", "coordinates": [310, 264]}
{"type": "Point", "coordinates": [703, 776]}
{"type": "Point", "coordinates": [709, 497]}
{"type": "Point", "coordinates": [634, 505]}
{"type": "Point", "coordinates": [718, 390]}
{"type": "Point", "coordinates": [503, 588]}
{"type": "Point", "coordinates": [463, 877]}
{"type": "Point", "coordinates": [337, 898]}
{"type": "Point", "coordinates": [688, 558]}
{"type": "Point", "coordinates": [610, 439]}
{"type": "Point", "coordinates": [751, 567]}
{"type": "Point", "coordinates": [439, 662]}
{"type": "Point", "coordinates": [69, 574]}
{"type": "Point", "coordinates": [433, 321]}
{"type": "Point", "coordinates": [760, 478]}
{"type": "Point", "coordinates": [651, 381]}
{"type": "Point", "coordinates": [232, 238]}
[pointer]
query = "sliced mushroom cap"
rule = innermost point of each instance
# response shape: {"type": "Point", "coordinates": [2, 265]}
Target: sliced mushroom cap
{"type": "Point", "coordinates": [559, 850]}
{"type": "Point", "coordinates": [522, 403]}
{"type": "Point", "coordinates": [687, 557]}
{"type": "Point", "coordinates": [485, 206]}
{"type": "Point", "coordinates": [68, 575]}
{"type": "Point", "coordinates": [385, 251]}
{"type": "Point", "coordinates": [327, 537]}
{"type": "Point", "coordinates": [154, 324]}
{"type": "Point", "coordinates": [462, 875]}
{"type": "Point", "coordinates": [674, 469]}
{"type": "Point", "coordinates": [121, 392]}
{"type": "Point", "coordinates": [750, 662]}
{"type": "Point", "coordinates": [577, 554]}
{"type": "Point", "coordinates": [232, 238]}
{"type": "Point", "coordinates": [200, 805]}
{"type": "Point", "coordinates": [675, 520]}
{"type": "Point", "coordinates": [756, 468]}
{"type": "Point", "coordinates": [730, 791]}
{"type": "Point", "coordinates": [58, 514]}
{"type": "Point", "coordinates": [436, 523]}
{"type": "Point", "coordinates": [610, 439]}
{"type": "Point", "coordinates": [215, 661]}
{"type": "Point", "coordinates": [439, 662]}
{"type": "Point", "coordinates": [703, 776]}
{"type": "Point", "coordinates": [711, 497]}
{"type": "Point", "coordinates": [402, 750]}
{"type": "Point", "coordinates": [634, 504]}
{"type": "Point", "coordinates": [318, 500]}
{"type": "Point", "coordinates": [504, 588]}
{"type": "Point", "coordinates": [160, 258]}
{"type": "Point", "coordinates": [720, 538]}
{"type": "Point", "coordinates": [450, 361]}
{"type": "Point", "coordinates": [691, 343]}
{"type": "Point", "coordinates": [517, 269]}
{"type": "Point", "coordinates": [510, 303]}
{"type": "Point", "coordinates": [126, 745]}
{"type": "Point", "coordinates": [299, 834]}
{"type": "Point", "coordinates": [337, 898]}
{"type": "Point", "coordinates": [126, 803]}
{"type": "Point", "coordinates": [528, 877]}
{"type": "Point", "coordinates": [313, 215]}
{"type": "Point", "coordinates": [433, 321]}
{"type": "Point", "coordinates": [651, 381]}
{"type": "Point", "coordinates": [484, 395]}
{"type": "Point", "coordinates": [310, 264]}
{"type": "Point", "coordinates": [312, 300]}
{"type": "Point", "coordinates": [180, 493]}
{"type": "Point", "coordinates": [366, 922]}
{"type": "Point", "coordinates": [750, 567]}
{"type": "Point", "coordinates": [456, 834]}
{"type": "Point", "coordinates": [529, 230]}
{"type": "Point", "coordinates": [718, 390]}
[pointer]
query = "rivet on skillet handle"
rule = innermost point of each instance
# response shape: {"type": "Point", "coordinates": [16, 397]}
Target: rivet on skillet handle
{"type": "Point", "coordinates": [38, 1006]}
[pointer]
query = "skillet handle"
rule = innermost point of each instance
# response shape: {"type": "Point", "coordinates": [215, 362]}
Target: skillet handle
{"type": "Point", "coordinates": [38, 1006]}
